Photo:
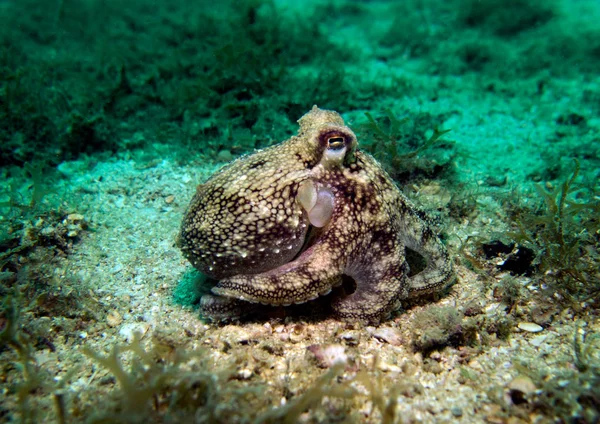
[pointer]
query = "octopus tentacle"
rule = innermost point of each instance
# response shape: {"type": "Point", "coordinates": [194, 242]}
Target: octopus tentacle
{"type": "Point", "coordinates": [311, 275]}
{"type": "Point", "coordinates": [438, 272]}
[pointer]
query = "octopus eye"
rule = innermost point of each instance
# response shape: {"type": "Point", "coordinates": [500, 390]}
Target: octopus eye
{"type": "Point", "coordinates": [336, 143]}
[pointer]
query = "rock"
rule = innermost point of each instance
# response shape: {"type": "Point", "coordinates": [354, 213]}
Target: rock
{"type": "Point", "coordinates": [351, 338]}
{"type": "Point", "coordinates": [129, 330]}
{"type": "Point", "coordinates": [244, 374]}
{"type": "Point", "coordinates": [456, 411]}
{"type": "Point", "coordinates": [389, 335]}
{"type": "Point", "coordinates": [224, 156]}
{"type": "Point", "coordinates": [538, 340]}
{"type": "Point", "coordinates": [523, 384]}
{"type": "Point", "coordinates": [520, 388]}
{"type": "Point", "coordinates": [75, 217]}
{"type": "Point", "coordinates": [328, 355]}
{"type": "Point", "coordinates": [114, 318]}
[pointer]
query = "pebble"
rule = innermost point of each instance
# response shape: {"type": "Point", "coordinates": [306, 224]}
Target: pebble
{"type": "Point", "coordinates": [244, 374]}
{"type": "Point", "coordinates": [239, 336]}
{"type": "Point", "coordinates": [523, 384]}
{"type": "Point", "coordinates": [75, 217]}
{"type": "Point", "coordinates": [530, 327]}
{"type": "Point", "coordinates": [349, 337]}
{"type": "Point", "coordinates": [456, 411]}
{"type": "Point", "coordinates": [169, 199]}
{"type": "Point", "coordinates": [114, 318]}
{"type": "Point", "coordinates": [128, 330]}
{"type": "Point", "coordinates": [538, 340]}
{"type": "Point", "coordinates": [224, 156]}
{"type": "Point", "coordinates": [328, 355]}
{"type": "Point", "coordinates": [384, 366]}
{"type": "Point", "coordinates": [475, 365]}
{"type": "Point", "coordinates": [389, 335]}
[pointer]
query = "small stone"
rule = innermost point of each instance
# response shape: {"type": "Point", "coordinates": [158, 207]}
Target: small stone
{"type": "Point", "coordinates": [224, 156]}
{"type": "Point", "coordinates": [47, 231]}
{"type": "Point", "coordinates": [456, 411]}
{"type": "Point", "coordinates": [476, 365]}
{"type": "Point", "coordinates": [244, 374]}
{"type": "Point", "coordinates": [328, 355]}
{"type": "Point", "coordinates": [530, 327]}
{"type": "Point", "coordinates": [238, 335]}
{"type": "Point", "coordinates": [128, 331]}
{"type": "Point", "coordinates": [384, 366]}
{"type": "Point", "coordinates": [495, 419]}
{"type": "Point", "coordinates": [75, 217]}
{"type": "Point", "coordinates": [169, 199]}
{"type": "Point", "coordinates": [538, 340]}
{"type": "Point", "coordinates": [389, 335]}
{"type": "Point", "coordinates": [351, 338]}
{"type": "Point", "coordinates": [114, 318]}
{"type": "Point", "coordinates": [516, 420]}
{"type": "Point", "coordinates": [522, 384]}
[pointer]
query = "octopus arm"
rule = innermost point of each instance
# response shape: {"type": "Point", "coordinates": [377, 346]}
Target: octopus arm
{"type": "Point", "coordinates": [218, 308]}
{"type": "Point", "coordinates": [437, 274]}
{"type": "Point", "coordinates": [381, 278]}
{"type": "Point", "coordinates": [309, 276]}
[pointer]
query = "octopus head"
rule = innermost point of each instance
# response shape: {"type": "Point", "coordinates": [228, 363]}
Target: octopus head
{"type": "Point", "coordinates": [327, 134]}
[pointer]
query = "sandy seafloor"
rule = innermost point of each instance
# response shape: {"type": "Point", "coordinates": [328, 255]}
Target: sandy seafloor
{"type": "Point", "coordinates": [114, 270]}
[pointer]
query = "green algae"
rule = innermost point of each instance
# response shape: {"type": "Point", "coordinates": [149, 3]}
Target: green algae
{"type": "Point", "coordinates": [400, 144]}
{"type": "Point", "coordinates": [562, 232]}
{"type": "Point", "coordinates": [190, 288]}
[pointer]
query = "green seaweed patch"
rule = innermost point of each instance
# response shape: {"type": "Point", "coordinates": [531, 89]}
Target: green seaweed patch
{"type": "Point", "coordinates": [563, 232]}
{"type": "Point", "coordinates": [33, 379]}
{"type": "Point", "coordinates": [506, 18]}
{"type": "Point", "coordinates": [190, 288]}
{"type": "Point", "coordinates": [399, 145]}
{"type": "Point", "coordinates": [439, 326]}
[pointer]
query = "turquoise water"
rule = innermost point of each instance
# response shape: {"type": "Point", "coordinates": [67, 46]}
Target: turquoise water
{"type": "Point", "coordinates": [111, 112]}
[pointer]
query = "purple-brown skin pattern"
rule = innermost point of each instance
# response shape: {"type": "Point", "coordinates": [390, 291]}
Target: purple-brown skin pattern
{"type": "Point", "coordinates": [249, 227]}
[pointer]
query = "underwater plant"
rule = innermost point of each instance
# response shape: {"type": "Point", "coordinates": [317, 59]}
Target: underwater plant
{"type": "Point", "coordinates": [37, 187]}
{"type": "Point", "coordinates": [11, 335]}
{"type": "Point", "coordinates": [32, 377]}
{"type": "Point", "coordinates": [399, 145]}
{"type": "Point", "coordinates": [438, 326]}
{"type": "Point", "coordinates": [564, 234]}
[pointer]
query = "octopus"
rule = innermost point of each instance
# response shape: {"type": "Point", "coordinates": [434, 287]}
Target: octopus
{"type": "Point", "coordinates": [289, 223]}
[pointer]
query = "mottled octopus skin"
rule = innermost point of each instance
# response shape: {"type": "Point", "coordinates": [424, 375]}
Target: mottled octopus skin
{"type": "Point", "coordinates": [246, 228]}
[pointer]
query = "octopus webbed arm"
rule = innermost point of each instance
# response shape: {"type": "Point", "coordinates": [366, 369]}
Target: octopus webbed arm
{"type": "Point", "coordinates": [418, 236]}
{"type": "Point", "coordinates": [307, 277]}
{"type": "Point", "coordinates": [219, 308]}
{"type": "Point", "coordinates": [380, 273]}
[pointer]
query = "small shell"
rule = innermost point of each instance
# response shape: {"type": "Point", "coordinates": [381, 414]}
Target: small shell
{"type": "Point", "coordinates": [530, 327]}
